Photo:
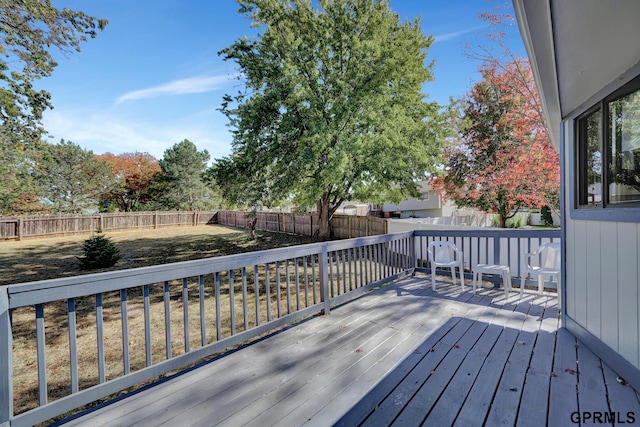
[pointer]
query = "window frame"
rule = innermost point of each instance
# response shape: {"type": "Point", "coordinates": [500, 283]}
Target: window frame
{"type": "Point", "coordinates": [580, 202]}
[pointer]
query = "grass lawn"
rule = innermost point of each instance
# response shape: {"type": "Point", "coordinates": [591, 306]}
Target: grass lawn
{"type": "Point", "coordinates": [29, 260]}
{"type": "Point", "coordinates": [49, 258]}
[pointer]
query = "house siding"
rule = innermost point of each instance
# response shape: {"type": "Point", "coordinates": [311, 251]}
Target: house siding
{"type": "Point", "coordinates": [603, 275]}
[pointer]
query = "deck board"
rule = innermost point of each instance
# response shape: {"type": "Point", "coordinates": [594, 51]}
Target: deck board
{"type": "Point", "coordinates": [402, 355]}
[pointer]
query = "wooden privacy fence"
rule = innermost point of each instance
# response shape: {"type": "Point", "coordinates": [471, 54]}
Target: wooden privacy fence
{"type": "Point", "coordinates": [43, 226]}
{"type": "Point", "coordinates": [342, 226]}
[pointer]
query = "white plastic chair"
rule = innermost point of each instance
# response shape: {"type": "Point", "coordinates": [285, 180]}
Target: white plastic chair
{"type": "Point", "coordinates": [548, 266]}
{"type": "Point", "coordinates": [445, 254]}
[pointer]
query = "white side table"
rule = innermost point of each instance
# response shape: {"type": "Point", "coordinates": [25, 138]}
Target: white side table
{"type": "Point", "coordinates": [503, 270]}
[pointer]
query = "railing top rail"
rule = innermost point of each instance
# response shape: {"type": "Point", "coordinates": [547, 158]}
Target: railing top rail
{"type": "Point", "coordinates": [24, 294]}
{"type": "Point", "coordinates": [492, 232]}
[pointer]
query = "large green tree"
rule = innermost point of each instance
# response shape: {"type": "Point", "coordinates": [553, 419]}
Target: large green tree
{"type": "Point", "coordinates": [29, 31]}
{"type": "Point", "coordinates": [182, 183]}
{"type": "Point", "coordinates": [72, 179]}
{"type": "Point", "coordinates": [333, 107]}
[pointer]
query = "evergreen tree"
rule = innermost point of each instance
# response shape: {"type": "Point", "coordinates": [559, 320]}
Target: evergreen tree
{"type": "Point", "coordinates": [99, 252]}
{"type": "Point", "coordinates": [182, 183]}
{"type": "Point", "coordinates": [71, 178]}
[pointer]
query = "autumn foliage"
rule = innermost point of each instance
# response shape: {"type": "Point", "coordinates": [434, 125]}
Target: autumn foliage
{"type": "Point", "coordinates": [134, 173]}
{"type": "Point", "coordinates": [503, 160]}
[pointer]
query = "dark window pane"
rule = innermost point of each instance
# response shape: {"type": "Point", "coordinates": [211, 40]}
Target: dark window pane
{"type": "Point", "coordinates": [624, 149]}
{"type": "Point", "coordinates": [591, 183]}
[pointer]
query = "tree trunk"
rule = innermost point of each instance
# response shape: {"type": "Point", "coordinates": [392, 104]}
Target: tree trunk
{"type": "Point", "coordinates": [323, 232]}
{"type": "Point", "coordinates": [503, 221]}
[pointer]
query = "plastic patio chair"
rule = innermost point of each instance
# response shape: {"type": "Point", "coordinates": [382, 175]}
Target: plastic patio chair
{"type": "Point", "coordinates": [548, 266]}
{"type": "Point", "coordinates": [445, 254]}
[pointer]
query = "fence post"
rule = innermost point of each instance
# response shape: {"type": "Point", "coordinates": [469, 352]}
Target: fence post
{"type": "Point", "coordinates": [19, 230]}
{"type": "Point", "coordinates": [324, 280]}
{"type": "Point", "coordinates": [6, 363]}
{"type": "Point", "coordinates": [195, 218]}
{"type": "Point", "coordinates": [155, 220]}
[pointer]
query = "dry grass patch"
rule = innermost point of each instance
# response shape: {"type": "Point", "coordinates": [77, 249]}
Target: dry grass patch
{"type": "Point", "coordinates": [56, 257]}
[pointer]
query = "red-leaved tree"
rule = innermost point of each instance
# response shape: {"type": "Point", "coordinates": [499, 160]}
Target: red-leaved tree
{"type": "Point", "coordinates": [134, 173]}
{"type": "Point", "coordinates": [503, 160]}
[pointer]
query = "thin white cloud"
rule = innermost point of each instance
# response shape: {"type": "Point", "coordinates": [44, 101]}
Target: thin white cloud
{"type": "Point", "coordinates": [197, 84]}
{"type": "Point", "coordinates": [450, 36]}
{"type": "Point", "coordinates": [104, 131]}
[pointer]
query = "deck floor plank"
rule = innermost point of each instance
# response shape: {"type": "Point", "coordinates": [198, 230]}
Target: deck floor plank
{"type": "Point", "coordinates": [563, 392]}
{"type": "Point", "coordinates": [403, 354]}
{"type": "Point", "coordinates": [592, 390]}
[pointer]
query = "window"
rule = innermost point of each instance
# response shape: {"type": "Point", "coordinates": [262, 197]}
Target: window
{"type": "Point", "coordinates": [424, 196]}
{"type": "Point", "coordinates": [608, 151]}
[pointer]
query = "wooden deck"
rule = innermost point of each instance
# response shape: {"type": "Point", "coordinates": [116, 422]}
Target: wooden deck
{"type": "Point", "coordinates": [402, 355]}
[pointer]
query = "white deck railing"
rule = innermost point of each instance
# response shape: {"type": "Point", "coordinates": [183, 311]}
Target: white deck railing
{"type": "Point", "coordinates": [224, 301]}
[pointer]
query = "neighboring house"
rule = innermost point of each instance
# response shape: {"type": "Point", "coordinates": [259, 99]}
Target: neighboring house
{"type": "Point", "coordinates": [585, 56]}
{"type": "Point", "coordinates": [430, 204]}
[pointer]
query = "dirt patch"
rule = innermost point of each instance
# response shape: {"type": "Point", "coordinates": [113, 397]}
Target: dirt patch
{"type": "Point", "coordinates": [49, 258]}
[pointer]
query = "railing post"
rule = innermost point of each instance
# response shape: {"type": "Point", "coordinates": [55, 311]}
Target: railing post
{"type": "Point", "coordinates": [324, 280]}
{"type": "Point", "coordinates": [412, 251]}
{"type": "Point", "coordinates": [6, 363]}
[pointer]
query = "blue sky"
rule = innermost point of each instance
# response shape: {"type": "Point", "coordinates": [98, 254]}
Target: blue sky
{"type": "Point", "coordinates": [153, 77]}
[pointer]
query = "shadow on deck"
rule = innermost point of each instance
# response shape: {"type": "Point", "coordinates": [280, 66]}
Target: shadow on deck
{"type": "Point", "coordinates": [401, 355]}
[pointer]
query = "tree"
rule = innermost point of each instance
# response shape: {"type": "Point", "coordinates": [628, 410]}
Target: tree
{"type": "Point", "coordinates": [182, 185]}
{"type": "Point", "coordinates": [134, 173]}
{"type": "Point", "coordinates": [504, 160]}
{"type": "Point", "coordinates": [72, 178]}
{"type": "Point", "coordinates": [333, 108]}
{"type": "Point", "coordinates": [29, 29]}
{"type": "Point", "coordinates": [99, 252]}
{"type": "Point", "coordinates": [18, 192]}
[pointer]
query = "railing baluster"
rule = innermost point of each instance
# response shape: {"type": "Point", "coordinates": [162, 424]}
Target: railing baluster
{"type": "Point", "coordinates": [256, 284]}
{"type": "Point", "coordinates": [344, 271]}
{"type": "Point", "coordinates": [306, 281]}
{"type": "Point", "coordinates": [217, 293]}
{"type": "Point", "coordinates": [100, 339]}
{"type": "Point", "coordinates": [40, 343]}
{"type": "Point", "coordinates": [185, 313]}
{"type": "Point", "coordinates": [313, 279]}
{"type": "Point", "coordinates": [338, 272]}
{"type": "Point", "coordinates": [378, 255]}
{"type": "Point", "coordinates": [361, 256]}
{"type": "Point", "coordinates": [297, 270]}
{"type": "Point", "coordinates": [203, 326]}
{"type": "Point", "coordinates": [147, 326]}
{"type": "Point", "coordinates": [232, 303]}
{"type": "Point", "coordinates": [167, 320]}
{"type": "Point", "coordinates": [350, 261]}
{"type": "Point", "coordinates": [288, 282]}
{"type": "Point", "coordinates": [125, 331]}
{"type": "Point", "coordinates": [330, 268]}
{"type": "Point", "coordinates": [245, 303]}
{"type": "Point", "coordinates": [268, 291]}
{"type": "Point", "coordinates": [73, 347]}
{"type": "Point", "coordinates": [278, 284]}
{"type": "Point", "coordinates": [287, 271]}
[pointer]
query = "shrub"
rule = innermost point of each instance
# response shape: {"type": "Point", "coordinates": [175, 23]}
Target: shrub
{"type": "Point", "coordinates": [546, 216]}
{"type": "Point", "coordinates": [99, 252]}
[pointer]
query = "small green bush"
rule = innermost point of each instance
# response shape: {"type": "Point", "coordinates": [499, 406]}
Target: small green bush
{"type": "Point", "coordinates": [545, 214]}
{"type": "Point", "coordinates": [99, 252]}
